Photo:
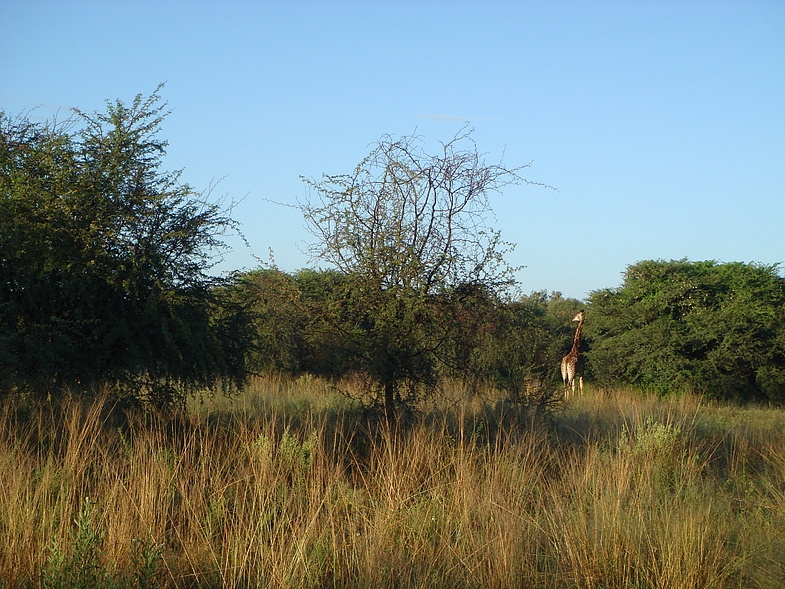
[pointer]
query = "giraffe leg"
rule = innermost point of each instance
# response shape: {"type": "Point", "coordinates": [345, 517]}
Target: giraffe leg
{"type": "Point", "coordinates": [565, 375]}
{"type": "Point", "coordinates": [568, 373]}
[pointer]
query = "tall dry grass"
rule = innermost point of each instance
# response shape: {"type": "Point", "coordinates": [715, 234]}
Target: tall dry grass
{"type": "Point", "coordinates": [287, 486]}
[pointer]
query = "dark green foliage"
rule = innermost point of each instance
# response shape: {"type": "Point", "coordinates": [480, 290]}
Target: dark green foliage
{"type": "Point", "coordinates": [512, 346]}
{"type": "Point", "coordinates": [517, 346]}
{"type": "Point", "coordinates": [103, 260]}
{"type": "Point", "coordinates": [704, 326]}
{"type": "Point", "coordinates": [287, 317]}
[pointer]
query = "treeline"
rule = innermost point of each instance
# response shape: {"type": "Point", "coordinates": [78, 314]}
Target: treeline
{"type": "Point", "coordinates": [105, 277]}
{"type": "Point", "coordinates": [672, 326]}
{"type": "Point", "coordinates": [307, 322]}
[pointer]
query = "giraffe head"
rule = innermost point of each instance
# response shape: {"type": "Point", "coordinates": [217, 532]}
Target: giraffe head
{"type": "Point", "coordinates": [578, 317]}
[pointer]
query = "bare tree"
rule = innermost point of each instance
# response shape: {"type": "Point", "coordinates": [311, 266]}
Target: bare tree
{"type": "Point", "coordinates": [410, 231]}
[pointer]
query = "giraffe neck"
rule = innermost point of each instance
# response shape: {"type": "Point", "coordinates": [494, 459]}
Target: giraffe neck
{"type": "Point", "coordinates": [576, 342]}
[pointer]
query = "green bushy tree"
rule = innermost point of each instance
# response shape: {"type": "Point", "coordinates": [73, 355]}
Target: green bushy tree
{"type": "Point", "coordinates": [705, 326]}
{"type": "Point", "coordinates": [104, 259]}
{"type": "Point", "coordinates": [287, 313]}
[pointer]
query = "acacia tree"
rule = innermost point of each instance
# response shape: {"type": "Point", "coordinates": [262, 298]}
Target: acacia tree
{"type": "Point", "coordinates": [410, 232]}
{"type": "Point", "coordinates": [104, 258]}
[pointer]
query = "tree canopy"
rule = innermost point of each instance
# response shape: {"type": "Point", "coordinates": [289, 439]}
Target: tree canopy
{"type": "Point", "coordinates": [104, 258]}
{"type": "Point", "coordinates": [714, 328]}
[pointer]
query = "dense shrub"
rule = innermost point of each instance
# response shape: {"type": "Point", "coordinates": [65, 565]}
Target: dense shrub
{"type": "Point", "coordinates": [104, 260]}
{"type": "Point", "coordinates": [706, 326]}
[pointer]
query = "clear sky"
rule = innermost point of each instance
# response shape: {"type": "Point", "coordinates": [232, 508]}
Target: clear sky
{"type": "Point", "coordinates": [661, 124]}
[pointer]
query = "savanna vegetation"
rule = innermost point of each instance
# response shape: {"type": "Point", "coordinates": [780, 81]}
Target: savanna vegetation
{"type": "Point", "coordinates": [289, 486]}
{"type": "Point", "coordinates": [392, 417]}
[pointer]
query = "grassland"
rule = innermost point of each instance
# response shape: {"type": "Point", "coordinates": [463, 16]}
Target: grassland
{"type": "Point", "coordinates": [287, 486]}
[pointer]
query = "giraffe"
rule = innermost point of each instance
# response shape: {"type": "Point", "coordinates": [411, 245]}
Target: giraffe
{"type": "Point", "coordinates": [572, 363]}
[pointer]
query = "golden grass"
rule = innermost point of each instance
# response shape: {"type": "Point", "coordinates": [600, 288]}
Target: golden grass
{"type": "Point", "coordinates": [287, 486]}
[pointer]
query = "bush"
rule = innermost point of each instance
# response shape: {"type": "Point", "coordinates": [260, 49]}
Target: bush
{"type": "Point", "coordinates": [104, 260]}
{"type": "Point", "coordinates": [713, 328]}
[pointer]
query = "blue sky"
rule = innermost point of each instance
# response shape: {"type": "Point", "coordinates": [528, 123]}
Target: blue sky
{"type": "Point", "coordinates": [661, 124]}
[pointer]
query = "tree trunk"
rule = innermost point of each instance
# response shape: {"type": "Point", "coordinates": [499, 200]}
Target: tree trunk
{"type": "Point", "coordinates": [389, 399]}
